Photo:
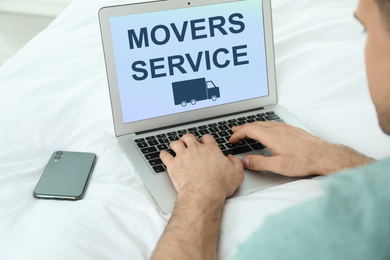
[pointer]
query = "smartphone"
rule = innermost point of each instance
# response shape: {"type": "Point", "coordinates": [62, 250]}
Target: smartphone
{"type": "Point", "coordinates": [66, 176]}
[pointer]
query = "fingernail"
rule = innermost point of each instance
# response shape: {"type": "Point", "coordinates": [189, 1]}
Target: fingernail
{"type": "Point", "coordinates": [245, 161]}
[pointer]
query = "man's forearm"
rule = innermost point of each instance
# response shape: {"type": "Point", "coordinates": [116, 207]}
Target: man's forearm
{"type": "Point", "coordinates": [193, 230]}
{"type": "Point", "coordinates": [340, 157]}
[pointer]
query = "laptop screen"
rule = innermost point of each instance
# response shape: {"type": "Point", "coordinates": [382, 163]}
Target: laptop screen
{"type": "Point", "coordinates": [179, 60]}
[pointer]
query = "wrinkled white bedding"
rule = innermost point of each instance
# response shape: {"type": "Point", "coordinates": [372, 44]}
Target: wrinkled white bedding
{"type": "Point", "coordinates": [54, 96]}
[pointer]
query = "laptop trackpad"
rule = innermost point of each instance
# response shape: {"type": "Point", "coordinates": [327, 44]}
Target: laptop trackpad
{"type": "Point", "coordinates": [255, 181]}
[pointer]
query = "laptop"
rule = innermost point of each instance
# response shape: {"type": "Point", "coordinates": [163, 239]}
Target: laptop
{"type": "Point", "coordinates": [177, 67]}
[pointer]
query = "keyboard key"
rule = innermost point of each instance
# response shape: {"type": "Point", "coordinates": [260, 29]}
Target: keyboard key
{"type": "Point", "coordinates": [251, 117]}
{"type": "Point", "coordinates": [222, 147]}
{"type": "Point", "coordinates": [148, 150]}
{"type": "Point", "coordinates": [158, 169]}
{"type": "Point", "coordinates": [215, 135]}
{"type": "Point", "coordinates": [257, 146]}
{"type": "Point", "coordinates": [261, 115]}
{"type": "Point", "coordinates": [260, 119]}
{"type": "Point", "coordinates": [250, 141]}
{"type": "Point", "coordinates": [220, 140]}
{"type": "Point", "coordinates": [213, 129]}
{"type": "Point", "coordinates": [196, 133]}
{"type": "Point", "coordinates": [230, 145]}
{"type": "Point", "coordinates": [241, 143]}
{"type": "Point", "coordinates": [163, 140]}
{"type": "Point", "coordinates": [222, 123]}
{"type": "Point", "coordinates": [151, 156]}
{"type": "Point", "coordinates": [162, 147]}
{"type": "Point", "coordinates": [223, 127]}
{"type": "Point", "coordinates": [171, 133]}
{"type": "Point", "coordinates": [153, 142]}
{"type": "Point", "coordinates": [272, 117]}
{"type": "Point", "coordinates": [232, 120]}
{"type": "Point", "coordinates": [174, 138]}
{"type": "Point", "coordinates": [139, 140]}
{"type": "Point", "coordinates": [241, 118]}
{"type": "Point", "coordinates": [202, 127]}
{"type": "Point", "coordinates": [150, 138]}
{"type": "Point", "coordinates": [182, 131]}
{"type": "Point", "coordinates": [155, 162]}
{"type": "Point", "coordinates": [192, 129]}
{"type": "Point", "coordinates": [237, 150]}
{"type": "Point", "coordinates": [223, 134]}
{"type": "Point", "coordinates": [161, 136]}
{"type": "Point", "coordinates": [270, 113]}
{"type": "Point", "coordinates": [142, 145]}
{"type": "Point", "coordinates": [171, 152]}
{"type": "Point", "coordinates": [204, 131]}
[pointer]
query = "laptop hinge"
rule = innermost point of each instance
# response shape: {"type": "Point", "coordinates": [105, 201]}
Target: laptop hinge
{"type": "Point", "coordinates": [196, 121]}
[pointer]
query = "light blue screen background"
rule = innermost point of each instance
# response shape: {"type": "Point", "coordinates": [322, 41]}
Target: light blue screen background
{"type": "Point", "coordinates": [151, 98]}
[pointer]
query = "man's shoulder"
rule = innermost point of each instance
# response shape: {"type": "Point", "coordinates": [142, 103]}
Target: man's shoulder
{"type": "Point", "coordinates": [365, 188]}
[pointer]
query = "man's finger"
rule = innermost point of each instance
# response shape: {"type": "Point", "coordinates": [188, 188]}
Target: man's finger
{"type": "Point", "coordinates": [189, 139]}
{"type": "Point", "coordinates": [166, 158]}
{"type": "Point", "coordinates": [235, 161]}
{"type": "Point", "coordinates": [265, 124]}
{"type": "Point", "coordinates": [249, 130]}
{"type": "Point", "coordinates": [207, 138]}
{"type": "Point", "coordinates": [177, 146]}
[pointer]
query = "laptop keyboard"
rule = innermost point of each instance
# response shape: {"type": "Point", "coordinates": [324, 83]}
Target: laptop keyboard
{"type": "Point", "coordinates": [151, 146]}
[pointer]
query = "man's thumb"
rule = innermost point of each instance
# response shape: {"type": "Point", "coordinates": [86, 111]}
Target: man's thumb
{"type": "Point", "coordinates": [256, 162]}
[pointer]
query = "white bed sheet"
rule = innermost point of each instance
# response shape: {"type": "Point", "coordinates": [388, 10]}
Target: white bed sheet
{"type": "Point", "coordinates": [54, 96]}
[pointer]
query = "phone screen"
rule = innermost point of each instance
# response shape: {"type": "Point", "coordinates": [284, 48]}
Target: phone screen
{"type": "Point", "coordinates": [66, 176]}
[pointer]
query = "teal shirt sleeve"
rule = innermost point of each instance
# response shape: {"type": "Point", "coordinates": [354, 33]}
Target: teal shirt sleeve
{"type": "Point", "coordinates": [351, 221]}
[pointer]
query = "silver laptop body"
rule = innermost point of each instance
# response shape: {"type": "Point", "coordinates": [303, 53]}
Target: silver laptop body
{"type": "Point", "coordinates": [174, 65]}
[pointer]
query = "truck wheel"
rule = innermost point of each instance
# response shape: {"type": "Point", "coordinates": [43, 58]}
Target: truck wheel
{"type": "Point", "coordinates": [214, 97]}
{"type": "Point", "coordinates": [183, 103]}
{"type": "Point", "coordinates": [193, 102]}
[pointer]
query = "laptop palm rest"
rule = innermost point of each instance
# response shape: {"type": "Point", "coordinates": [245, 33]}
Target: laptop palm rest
{"type": "Point", "coordinates": [255, 180]}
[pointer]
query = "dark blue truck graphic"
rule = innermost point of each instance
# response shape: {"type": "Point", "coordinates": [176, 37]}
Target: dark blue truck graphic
{"type": "Point", "coordinates": [191, 91]}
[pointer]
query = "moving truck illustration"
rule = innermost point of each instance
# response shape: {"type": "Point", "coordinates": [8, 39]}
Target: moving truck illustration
{"type": "Point", "coordinates": [191, 91]}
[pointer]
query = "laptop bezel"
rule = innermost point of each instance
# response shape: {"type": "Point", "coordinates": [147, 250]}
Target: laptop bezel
{"type": "Point", "coordinates": [122, 128]}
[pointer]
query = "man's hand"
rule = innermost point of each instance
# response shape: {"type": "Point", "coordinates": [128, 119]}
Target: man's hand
{"type": "Point", "coordinates": [201, 168]}
{"type": "Point", "coordinates": [296, 153]}
{"type": "Point", "coordinates": [203, 178]}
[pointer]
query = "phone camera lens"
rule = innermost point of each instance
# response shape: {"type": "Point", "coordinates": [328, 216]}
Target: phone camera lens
{"type": "Point", "coordinates": [189, 3]}
{"type": "Point", "coordinates": [59, 153]}
{"type": "Point", "coordinates": [57, 157]}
